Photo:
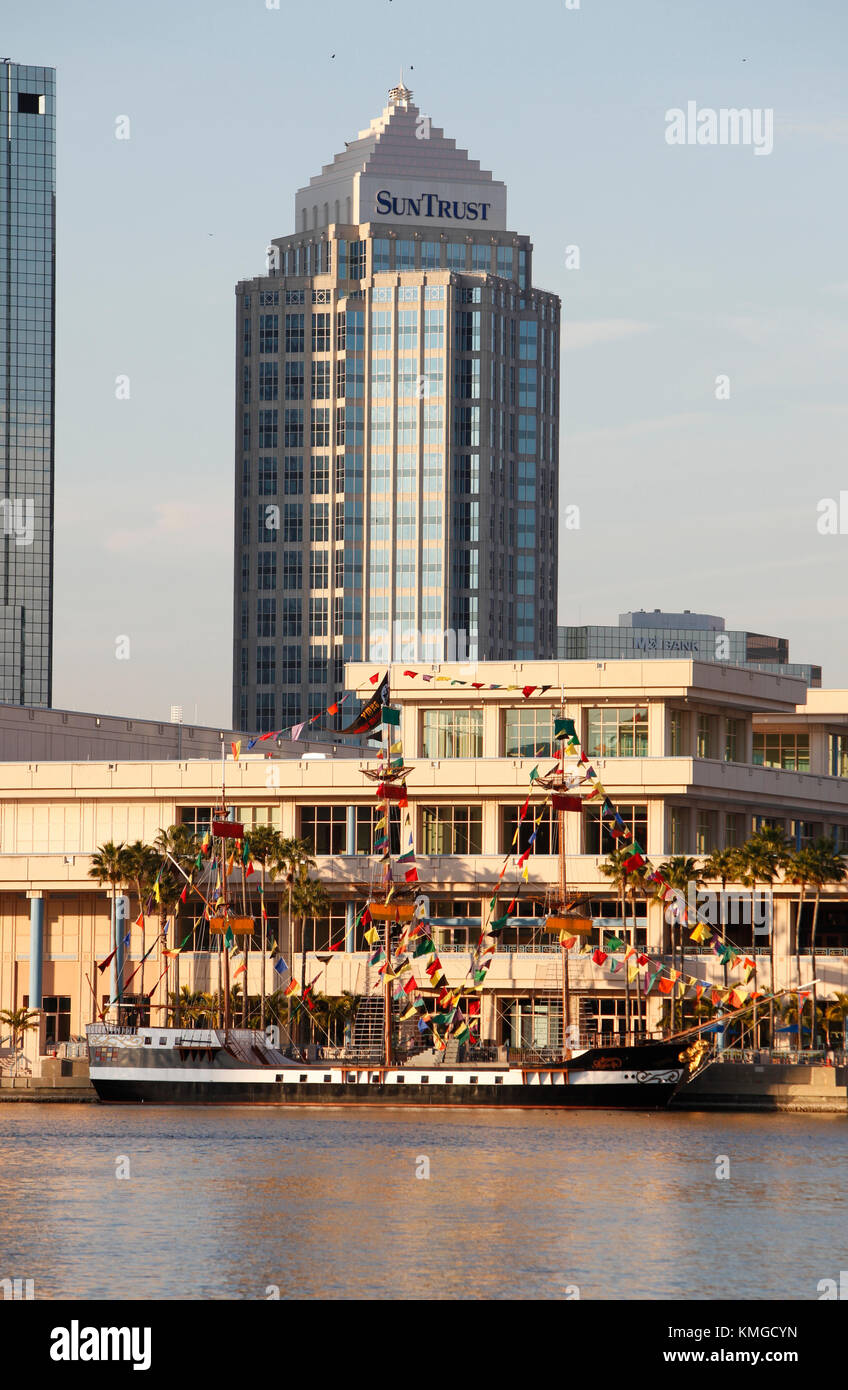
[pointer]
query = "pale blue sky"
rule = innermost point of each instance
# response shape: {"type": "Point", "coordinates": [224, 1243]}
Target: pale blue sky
{"type": "Point", "coordinates": [695, 261]}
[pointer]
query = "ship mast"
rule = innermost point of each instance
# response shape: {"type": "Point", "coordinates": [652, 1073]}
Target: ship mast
{"type": "Point", "coordinates": [224, 898]}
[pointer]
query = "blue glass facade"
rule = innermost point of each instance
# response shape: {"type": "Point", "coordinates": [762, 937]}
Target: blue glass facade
{"type": "Point", "coordinates": [27, 318]}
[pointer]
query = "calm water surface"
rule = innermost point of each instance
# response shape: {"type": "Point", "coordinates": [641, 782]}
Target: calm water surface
{"type": "Point", "coordinates": [221, 1204]}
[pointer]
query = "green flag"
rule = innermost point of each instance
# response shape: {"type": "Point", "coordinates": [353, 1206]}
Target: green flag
{"type": "Point", "coordinates": [229, 939]}
{"type": "Point", "coordinates": [389, 715]}
{"type": "Point", "coordinates": [564, 728]}
{"type": "Point", "coordinates": [535, 773]}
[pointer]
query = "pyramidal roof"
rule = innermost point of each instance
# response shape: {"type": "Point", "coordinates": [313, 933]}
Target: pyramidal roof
{"type": "Point", "coordinates": [402, 155]}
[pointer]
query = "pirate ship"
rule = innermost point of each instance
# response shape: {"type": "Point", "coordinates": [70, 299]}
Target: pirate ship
{"type": "Point", "coordinates": [224, 1065]}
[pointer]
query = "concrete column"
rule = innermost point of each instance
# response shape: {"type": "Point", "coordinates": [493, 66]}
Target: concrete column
{"type": "Point", "coordinates": [656, 729]}
{"type": "Point", "coordinates": [118, 956]}
{"type": "Point", "coordinates": [36, 948]}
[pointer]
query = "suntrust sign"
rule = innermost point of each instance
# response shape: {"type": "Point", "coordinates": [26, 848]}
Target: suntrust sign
{"type": "Point", "coordinates": [430, 205]}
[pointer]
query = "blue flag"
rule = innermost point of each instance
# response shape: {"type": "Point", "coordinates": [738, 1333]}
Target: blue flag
{"type": "Point", "coordinates": [280, 966]}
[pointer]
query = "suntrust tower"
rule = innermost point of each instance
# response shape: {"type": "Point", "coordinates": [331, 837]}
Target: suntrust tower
{"type": "Point", "coordinates": [396, 428]}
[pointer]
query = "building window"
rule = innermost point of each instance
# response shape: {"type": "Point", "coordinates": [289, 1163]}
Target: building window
{"type": "Point", "coordinates": [528, 733]}
{"type": "Point", "coordinates": [292, 475]}
{"type": "Point", "coordinates": [467, 336]}
{"type": "Point", "coordinates": [294, 332]}
{"type": "Point", "coordinates": [317, 617]}
{"type": "Point", "coordinates": [453, 733]}
{"type": "Point", "coordinates": [679, 831]}
{"type": "Point", "coordinates": [293, 381]}
{"type": "Point", "coordinates": [546, 831]}
{"type": "Point", "coordinates": [290, 665]}
{"type": "Point", "coordinates": [734, 741]}
{"type": "Point", "coordinates": [788, 751]}
{"type": "Point", "coordinates": [267, 477]}
{"type": "Point", "coordinates": [319, 480]}
{"type": "Point", "coordinates": [266, 570]}
{"type": "Point", "coordinates": [705, 833]}
{"type": "Point", "coordinates": [734, 830]}
{"type": "Point", "coordinates": [266, 617]}
{"type": "Point", "coordinates": [266, 711]}
{"type": "Point", "coordinates": [292, 569]}
{"type": "Point", "coordinates": [293, 521]}
{"type": "Point", "coordinates": [677, 731]}
{"type": "Point", "coordinates": [837, 755]}
{"type": "Point", "coordinates": [268, 381]}
{"type": "Point", "coordinates": [292, 619]}
{"type": "Point", "coordinates": [452, 829]}
{"type": "Point", "coordinates": [706, 736]}
{"type": "Point", "coordinates": [266, 666]}
{"type": "Point", "coordinates": [321, 333]}
{"type": "Point", "coordinates": [325, 827]}
{"type": "Point", "coordinates": [319, 569]}
{"type": "Point", "coordinates": [57, 1018]}
{"type": "Point", "coordinates": [267, 429]}
{"type": "Point", "coordinates": [527, 340]}
{"type": "Point", "coordinates": [617, 733]}
{"type": "Point", "coordinates": [597, 828]}
{"type": "Point", "coordinates": [320, 427]}
{"type": "Point", "coordinates": [269, 335]}
{"type": "Point", "coordinates": [292, 427]}
{"type": "Point", "coordinates": [321, 381]}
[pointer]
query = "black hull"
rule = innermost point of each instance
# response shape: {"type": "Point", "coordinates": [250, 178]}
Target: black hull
{"type": "Point", "coordinates": [648, 1095]}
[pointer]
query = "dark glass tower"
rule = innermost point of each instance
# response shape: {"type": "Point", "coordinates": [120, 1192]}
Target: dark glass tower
{"type": "Point", "coordinates": [27, 318]}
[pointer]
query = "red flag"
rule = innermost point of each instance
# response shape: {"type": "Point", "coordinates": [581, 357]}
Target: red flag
{"type": "Point", "coordinates": [410, 673]}
{"type": "Point", "coordinates": [332, 709]}
{"type": "Point", "coordinates": [101, 965]}
{"type": "Point", "coordinates": [599, 956]}
{"type": "Point", "coordinates": [527, 690]}
{"type": "Point", "coordinates": [411, 875]}
{"type": "Point", "coordinates": [184, 894]}
{"type": "Point", "coordinates": [374, 679]}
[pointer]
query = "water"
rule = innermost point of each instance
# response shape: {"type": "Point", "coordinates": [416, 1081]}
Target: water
{"type": "Point", "coordinates": [224, 1204]}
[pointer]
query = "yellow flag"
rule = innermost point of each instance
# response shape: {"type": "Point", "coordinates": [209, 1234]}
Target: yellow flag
{"type": "Point", "coordinates": [701, 933]}
{"type": "Point", "coordinates": [372, 936]}
{"type": "Point", "coordinates": [632, 972]}
{"type": "Point", "coordinates": [525, 873]}
{"type": "Point", "coordinates": [396, 747]}
{"type": "Point", "coordinates": [236, 747]}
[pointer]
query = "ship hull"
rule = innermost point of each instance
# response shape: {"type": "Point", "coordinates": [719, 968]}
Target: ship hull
{"type": "Point", "coordinates": [652, 1095]}
{"type": "Point", "coordinates": [190, 1067]}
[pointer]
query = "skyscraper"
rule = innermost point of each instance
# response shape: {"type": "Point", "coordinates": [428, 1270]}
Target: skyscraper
{"type": "Point", "coordinates": [27, 318]}
{"type": "Point", "coordinates": [397, 427]}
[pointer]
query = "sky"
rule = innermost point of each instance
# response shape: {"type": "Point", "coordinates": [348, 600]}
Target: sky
{"type": "Point", "coordinates": [697, 263]}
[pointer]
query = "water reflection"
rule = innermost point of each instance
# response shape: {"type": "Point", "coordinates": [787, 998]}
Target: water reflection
{"type": "Point", "coordinates": [224, 1203]}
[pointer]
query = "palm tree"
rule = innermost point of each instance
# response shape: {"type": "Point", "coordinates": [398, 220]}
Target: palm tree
{"type": "Point", "coordinates": [141, 863]}
{"type": "Point", "coordinates": [309, 899]}
{"type": "Point", "coordinates": [21, 1021]}
{"type": "Point", "coordinates": [835, 1015]}
{"type": "Point", "coordinates": [613, 869]}
{"type": "Point", "coordinates": [721, 864]}
{"type": "Point", "coordinates": [109, 865]}
{"type": "Point", "coordinates": [678, 872]}
{"type": "Point", "coordinates": [265, 846]}
{"type": "Point", "coordinates": [760, 860]}
{"type": "Point", "coordinates": [825, 866]}
{"type": "Point", "coordinates": [798, 871]}
{"type": "Point", "coordinates": [181, 843]}
{"type": "Point", "coordinates": [291, 858]}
